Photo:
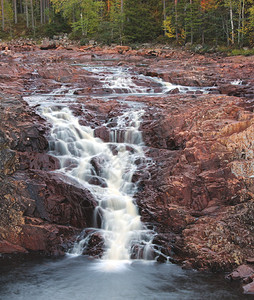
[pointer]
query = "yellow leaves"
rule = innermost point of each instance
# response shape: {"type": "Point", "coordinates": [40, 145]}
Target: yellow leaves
{"type": "Point", "coordinates": [169, 29]}
{"type": "Point", "coordinates": [57, 4]}
{"type": "Point", "coordinates": [182, 35]}
{"type": "Point", "coordinates": [237, 257]}
{"type": "Point", "coordinates": [251, 18]}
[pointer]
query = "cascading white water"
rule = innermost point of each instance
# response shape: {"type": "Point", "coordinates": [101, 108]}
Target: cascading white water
{"type": "Point", "coordinates": [119, 80]}
{"type": "Point", "coordinates": [106, 169]}
{"type": "Point", "coordinates": [108, 175]}
{"type": "Point", "coordinates": [236, 82]}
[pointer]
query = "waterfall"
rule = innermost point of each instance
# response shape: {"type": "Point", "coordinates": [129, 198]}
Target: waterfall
{"type": "Point", "coordinates": [106, 169]}
{"type": "Point", "coordinates": [120, 81]}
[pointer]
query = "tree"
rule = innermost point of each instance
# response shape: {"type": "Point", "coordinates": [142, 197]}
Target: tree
{"type": "Point", "coordinates": [142, 20]}
{"type": "Point", "coordinates": [83, 15]}
{"type": "Point", "coordinates": [169, 28]}
{"type": "Point", "coordinates": [32, 14]}
{"type": "Point", "coordinates": [15, 11]}
{"type": "Point", "coordinates": [231, 22]}
{"type": "Point", "coordinates": [116, 19]}
{"type": "Point", "coordinates": [2, 12]}
{"type": "Point", "coordinates": [6, 15]}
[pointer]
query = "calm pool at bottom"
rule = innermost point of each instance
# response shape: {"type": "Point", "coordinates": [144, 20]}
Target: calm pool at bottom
{"type": "Point", "coordinates": [72, 278]}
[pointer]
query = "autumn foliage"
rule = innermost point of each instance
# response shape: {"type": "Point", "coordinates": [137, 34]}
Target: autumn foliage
{"type": "Point", "coordinates": [215, 22]}
{"type": "Point", "coordinates": [207, 5]}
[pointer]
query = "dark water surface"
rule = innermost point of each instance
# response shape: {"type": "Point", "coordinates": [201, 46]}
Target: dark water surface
{"type": "Point", "coordinates": [79, 278]}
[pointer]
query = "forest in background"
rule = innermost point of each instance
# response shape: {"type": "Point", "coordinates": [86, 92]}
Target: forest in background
{"type": "Point", "coordinates": [211, 22]}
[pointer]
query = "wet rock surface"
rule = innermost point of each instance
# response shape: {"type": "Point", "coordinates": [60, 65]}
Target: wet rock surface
{"type": "Point", "coordinates": [196, 190]}
{"type": "Point", "coordinates": [39, 211]}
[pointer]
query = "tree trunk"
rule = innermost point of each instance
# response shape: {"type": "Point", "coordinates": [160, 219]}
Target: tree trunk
{"type": "Point", "coordinates": [21, 7]}
{"type": "Point", "coordinates": [2, 5]}
{"type": "Point", "coordinates": [44, 11]}
{"type": "Point", "coordinates": [32, 13]}
{"type": "Point", "coordinates": [15, 11]}
{"type": "Point", "coordinates": [239, 23]}
{"type": "Point", "coordinates": [82, 24]}
{"type": "Point", "coordinates": [164, 14]}
{"type": "Point", "coordinates": [191, 22]}
{"type": "Point", "coordinates": [41, 10]}
{"type": "Point", "coordinates": [27, 17]}
{"type": "Point", "coordinates": [121, 6]}
{"type": "Point", "coordinates": [121, 31]}
{"type": "Point", "coordinates": [232, 22]}
{"type": "Point", "coordinates": [176, 20]}
{"type": "Point", "coordinates": [108, 6]}
{"type": "Point", "coordinates": [243, 19]}
{"type": "Point", "coordinates": [47, 6]}
{"type": "Point", "coordinates": [227, 32]}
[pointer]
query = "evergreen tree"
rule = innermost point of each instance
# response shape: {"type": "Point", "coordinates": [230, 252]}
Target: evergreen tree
{"type": "Point", "coordinates": [142, 20]}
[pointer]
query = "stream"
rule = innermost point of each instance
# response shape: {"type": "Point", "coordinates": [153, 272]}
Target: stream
{"type": "Point", "coordinates": [127, 268]}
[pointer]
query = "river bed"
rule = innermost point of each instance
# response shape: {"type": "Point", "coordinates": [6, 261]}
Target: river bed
{"type": "Point", "coordinates": [78, 277]}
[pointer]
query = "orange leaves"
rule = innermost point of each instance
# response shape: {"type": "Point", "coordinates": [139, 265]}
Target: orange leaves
{"type": "Point", "coordinates": [207, 5]}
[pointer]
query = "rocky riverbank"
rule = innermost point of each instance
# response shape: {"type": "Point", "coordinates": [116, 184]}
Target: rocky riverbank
{"type": "Point", "coordinates": [198, 192]}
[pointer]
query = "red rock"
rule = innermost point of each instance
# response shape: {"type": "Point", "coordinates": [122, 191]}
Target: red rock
{"type": "Point", "coordinates": [60, 200]}
{"type": "Point", "coordinates": [250, 260]}
{"type": "Point", "coordinates": [37, 161]}
{"type": "Point", "coordinates": [103, 133]}
{"type": "Point", "coordinates": [48, 238]}
{"type": "Point", "coordinates": [249, 288]}
{"type": "Point", "coordinates": [95, 246]}
{"type": "Point", "coordinates": [47, 44]}
{"type": "Point", "coordinates": [7, 248]}
{"type": "Point", "coordinates": [122, 49]}
{"type": "Point", "coordinates": [34, 238]}
{"type": "Point", "coordinates": [242, 272]}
